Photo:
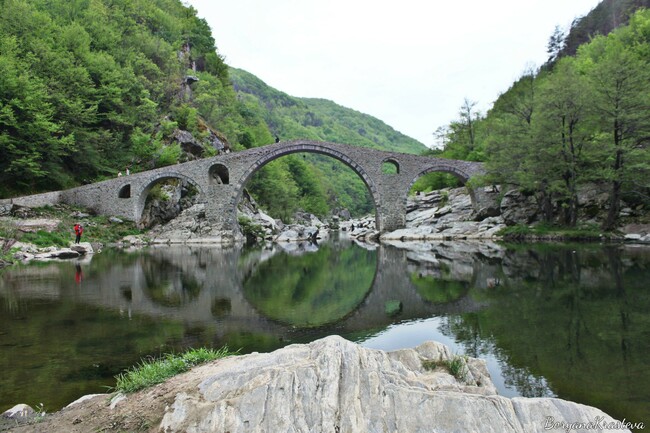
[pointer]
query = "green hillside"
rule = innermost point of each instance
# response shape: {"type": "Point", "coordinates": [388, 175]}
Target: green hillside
{"type": "Point", "coordinates": [89, 88]}
{"type": "Point", "coordinates": [318, 119]}
{"type": "Point", "coordinates": [330, 185]}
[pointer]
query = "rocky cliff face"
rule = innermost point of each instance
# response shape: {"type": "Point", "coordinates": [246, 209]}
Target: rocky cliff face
{"type": "Point", "coordinates": [330, 385]}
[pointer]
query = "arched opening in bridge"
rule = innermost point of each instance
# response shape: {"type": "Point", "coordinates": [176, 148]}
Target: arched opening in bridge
{"type": "Point", "coordinates": [390, 166]}
{"type": "Point", "coordinates": [165, 198]}
{"type": "Point", "coordinates": [125, 191]}
{"type": "Point", "coordinates": [219, 174]}
{"type": "Point", "coordinates": [434, 181]}
{"type": "Point", "coordinates": [295, 185]}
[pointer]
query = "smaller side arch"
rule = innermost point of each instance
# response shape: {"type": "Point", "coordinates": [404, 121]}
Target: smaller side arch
{"type": "Point", "coordinates": [445, 168]}
{"type": "Point", "coordinates": [141, 197]}
{"type": "Point", "coordinates": [219, 174]}
{"type": "Point", "coordinates": [390, 166]}
{"type": "Point", "coordinates": [125, 191]}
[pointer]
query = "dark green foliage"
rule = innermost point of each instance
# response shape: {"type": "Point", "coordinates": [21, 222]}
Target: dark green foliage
{"type": "Point", "coordinates": [84, 83]}
{"type": "Point", "coordinates": [251, 231]}
{"type": "Point", "coordinates": [584, 121]}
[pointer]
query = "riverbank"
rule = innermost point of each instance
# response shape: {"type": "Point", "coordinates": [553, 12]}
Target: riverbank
{"type": "Point", "coordinates": [329, 385]}
{"type": "Point", "coordinates": [448, 214]}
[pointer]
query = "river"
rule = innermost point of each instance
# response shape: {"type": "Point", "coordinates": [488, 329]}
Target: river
{"type": "Point", "coordinates": [550, 320]}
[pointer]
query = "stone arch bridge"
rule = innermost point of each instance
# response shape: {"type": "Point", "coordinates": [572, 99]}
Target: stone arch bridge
{"type": "Point", "coordinates": [220, 181]}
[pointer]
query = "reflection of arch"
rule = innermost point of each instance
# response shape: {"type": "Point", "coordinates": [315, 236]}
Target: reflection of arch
{"type": "Point", "coordinates": [125, 191]}
{"type": "Point", "coordinates": [314, 289]}
{"type": "Point", "coordinates": [390, 166]}
{"type": "Point", "coordinates": [219, 174]}
{"type": "Point", "coordinates": [167, 286]}
{"type": "Point", "coordinates": [142, 197]}
{"type": "Point", "coordinates": [308, 148]}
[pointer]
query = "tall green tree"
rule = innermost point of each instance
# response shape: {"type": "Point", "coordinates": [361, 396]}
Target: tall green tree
{"type": "Point", "coordinates": [562, 131]}
{"type": "Point", "coordinates": [620, 79]}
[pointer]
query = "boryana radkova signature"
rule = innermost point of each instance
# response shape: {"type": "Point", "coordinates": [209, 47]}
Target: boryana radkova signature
{"type": "Point", "coordinates": [598, 423]}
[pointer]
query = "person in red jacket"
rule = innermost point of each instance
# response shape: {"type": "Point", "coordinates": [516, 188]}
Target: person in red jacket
{"type": "Point", "coordinates": [78, 230]}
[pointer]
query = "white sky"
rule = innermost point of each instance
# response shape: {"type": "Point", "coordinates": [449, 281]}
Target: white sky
{"type": "Point", "coordinates": [410, 63]}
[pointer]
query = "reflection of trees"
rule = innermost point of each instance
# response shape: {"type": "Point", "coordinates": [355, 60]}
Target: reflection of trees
{"type": "Point", "coordinates": [168, 285]}
{"type": "Point", "coordinates": [568, 314]}
{"type": "Point", "coordinates": [526, 383]}
{"type": "Point", "coordinates": [312, 289]}
{"type": "Point", "coordinates": [466, 330]}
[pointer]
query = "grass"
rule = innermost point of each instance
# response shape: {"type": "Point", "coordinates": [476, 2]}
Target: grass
{"type": "Point", "coordinates": [46, 239]}
{"type": "Point", "coordinates": [96, 228]}
{"type": "Point", "coordinates": [153, 371]}
{"type": "Point", "coordinates": [549, 231]}
{"type": "Point", "coordinates": [456, 366]}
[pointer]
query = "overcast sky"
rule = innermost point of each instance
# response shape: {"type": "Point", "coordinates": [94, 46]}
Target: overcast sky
{"type": "Point", "coordinates": [410, 63]}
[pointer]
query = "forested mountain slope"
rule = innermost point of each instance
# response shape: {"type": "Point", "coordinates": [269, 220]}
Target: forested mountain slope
{"type": "Point", "coordinates": [318, 119]}
{"type": "Point", "coordinates": [581, 120]}
{"type": "Point", "coordinates": [607, 16]}
{"type": "Point", "coordinates": [89, 88]}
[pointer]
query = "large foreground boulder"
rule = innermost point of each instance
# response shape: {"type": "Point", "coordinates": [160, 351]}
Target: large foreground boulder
{"type": "Point", "coordinates": [329, 386]}
{"type": "Point", "coordinates": [333, 385]}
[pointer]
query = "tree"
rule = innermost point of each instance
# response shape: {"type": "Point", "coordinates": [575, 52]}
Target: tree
{"type": "Point", "coordinates": [468, 116]}
{"type": "Point", "coordinates": [555, 44]}
{"type": "Point", "coordinates": [561, 130]}
{"type": "Point", "coordinates": [621, 80]}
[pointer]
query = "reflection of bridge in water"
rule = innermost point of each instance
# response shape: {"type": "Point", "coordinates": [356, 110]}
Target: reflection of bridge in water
{"type": "Point", "coordinates": [202, 286]}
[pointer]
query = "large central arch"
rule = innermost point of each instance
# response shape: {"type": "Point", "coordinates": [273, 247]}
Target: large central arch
{"type": "Point", "coordinates": [311, 147]}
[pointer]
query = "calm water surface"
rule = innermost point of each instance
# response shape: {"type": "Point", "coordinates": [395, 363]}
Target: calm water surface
{"type": "Point", "coordinates": [551, 320]}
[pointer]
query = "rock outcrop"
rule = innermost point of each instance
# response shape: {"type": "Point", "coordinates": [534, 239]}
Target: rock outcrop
{"type": "Point", "coordinates": [333, 385]}
{"type": "Point", "coordinates": [445, 214]}
{"type": "Point", "coordinates": [330, 385]}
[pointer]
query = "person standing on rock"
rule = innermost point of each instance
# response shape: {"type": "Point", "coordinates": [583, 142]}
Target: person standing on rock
{"type": "Point", "coordinates": [78, 231]}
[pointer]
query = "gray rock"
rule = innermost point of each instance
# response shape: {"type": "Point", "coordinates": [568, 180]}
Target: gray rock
{"type": "Point", "coordinates": [82, 248]}
{"type": "Point", "coordinates": [86, 398]}
{"type": "Point", "coordinates": [518, 209]}
{"type": "Point", "coordinates": [333, 385]}
{"type": "Point", "coordinates": [115, 220]}
{"type": "Point", "coordinates": [64, 253]}
{"type": "Point", "coordinates": [79, 215]}
{"type": "Point", "coordinates": [32, 225]}
{"type": "Point", "coordinates": [6, 209]}
{"type": "Point", "coordinates": [20, 412]}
